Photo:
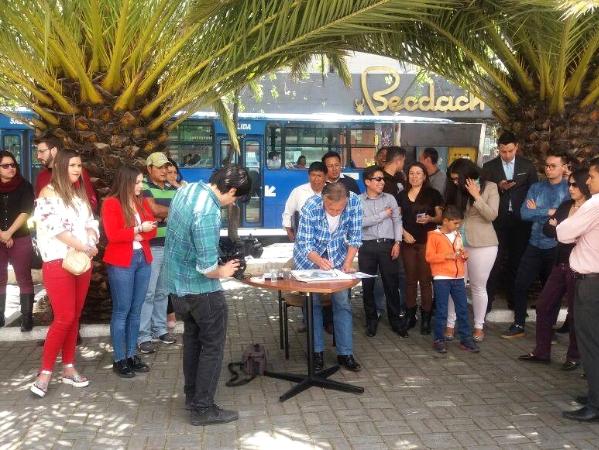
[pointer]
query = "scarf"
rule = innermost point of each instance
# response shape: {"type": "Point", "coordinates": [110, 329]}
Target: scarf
{"type": "Point", "coordinates": [11, 185]}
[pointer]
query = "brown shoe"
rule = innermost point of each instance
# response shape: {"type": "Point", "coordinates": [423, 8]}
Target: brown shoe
{"type": "Point", "coordinates": [449, 333]}
{"type": "Point", "coordinates": [478, 335]}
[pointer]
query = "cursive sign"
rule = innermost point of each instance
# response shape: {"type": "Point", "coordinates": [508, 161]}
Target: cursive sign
{"type": "Point", "coordinates": [379, 102]}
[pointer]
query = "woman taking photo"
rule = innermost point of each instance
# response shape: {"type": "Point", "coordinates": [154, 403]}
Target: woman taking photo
{"type": "Point", "coordinates": [64, 222]}
{"type": "Point", "coordinates": [478, 200]}
{"type": "Point", "coordinates": [421, 212]}
{"type": "Point", "coordinates": [561, 281]}
{"type": "Point", "coordinates": [129, 225]}
{"type": "Point", "coordinates": [16, 204]}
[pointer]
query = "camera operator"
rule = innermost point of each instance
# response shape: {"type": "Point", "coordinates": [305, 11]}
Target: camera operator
{"type": "Point", "coordinates": [193, 274]}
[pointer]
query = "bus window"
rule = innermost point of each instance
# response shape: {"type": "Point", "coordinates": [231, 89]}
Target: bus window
{"type": "Point", "coordinates": [225, 148]}
{"type": "Point", "coordinates": [311, 142]}
{"type": "Point", "coordinates": [363, 148]}
{"type": "Point", "coordinates": [12, 143]}
{"type": "Point", "coordinates": [191, 144]}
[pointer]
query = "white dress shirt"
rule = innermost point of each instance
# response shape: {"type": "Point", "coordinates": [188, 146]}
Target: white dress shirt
{"type": "Point", "coordinates": [296, 201]}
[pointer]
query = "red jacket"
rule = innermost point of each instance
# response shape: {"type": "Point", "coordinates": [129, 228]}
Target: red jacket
{"type": "Point", "coordinates": [119, 250]}
{"type": "Point", "coordinates": [45, 175]}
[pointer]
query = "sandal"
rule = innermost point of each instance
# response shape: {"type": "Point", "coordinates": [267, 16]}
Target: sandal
{"type": "Point", "coordinates": [76, 379]}
{"type": "Point", "coordinates": [449, 331]}
{"type": "Point", "coordinates": [39, 388]}
{"type": "Point", "coordinates": [478, 335]}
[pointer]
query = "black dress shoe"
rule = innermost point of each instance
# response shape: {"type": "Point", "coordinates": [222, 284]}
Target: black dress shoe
{"type": "Point", "coordinates": [349, 362]}
{"type": "Point", "coordinates": [584, 414]}
{"type": "Point", "coordinates": [318, 361]}
{"type": "Point", "coordinates": [371, 327]}
{"type": "Point", "coordinates": [122, 369]}
{"type": "Point", "coordinates": [531, 357]}
{"type": "Point", "coordinates": [137, 365]}
{"type": "Point", "coordinates": [582, 399]}
{"type": "Point", "coordinates": [570, 365]}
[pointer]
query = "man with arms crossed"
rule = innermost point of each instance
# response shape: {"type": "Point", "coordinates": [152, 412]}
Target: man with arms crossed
{"type": "Point", "coordinates": [193, 275]}
{"type": "Point", "coordinates": [582, 228]}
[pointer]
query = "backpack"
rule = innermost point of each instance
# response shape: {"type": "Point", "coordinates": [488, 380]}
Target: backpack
{"type": "Point", "coordinates": [253, 363]}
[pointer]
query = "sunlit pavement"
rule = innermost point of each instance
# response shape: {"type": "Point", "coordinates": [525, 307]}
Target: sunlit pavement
{"type": "Point", "coordinates": [413, 398]}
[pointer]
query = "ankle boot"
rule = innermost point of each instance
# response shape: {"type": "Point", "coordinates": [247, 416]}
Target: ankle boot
{"type": "Point", "coordinates": [425, 322]}
{"type": "Point", "coordinates": [26, 312]}
{"type": "Point", "coordinates": [2, 308]}
{"type": "Point", "coordinates": [411, 317]}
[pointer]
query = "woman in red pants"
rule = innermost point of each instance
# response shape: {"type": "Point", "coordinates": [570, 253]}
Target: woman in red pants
{"type": "Point", "coordinates": [64, 220]}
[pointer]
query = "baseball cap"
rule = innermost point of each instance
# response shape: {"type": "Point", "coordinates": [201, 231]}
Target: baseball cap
{"type": "Point", "coordinates": [157, 159]}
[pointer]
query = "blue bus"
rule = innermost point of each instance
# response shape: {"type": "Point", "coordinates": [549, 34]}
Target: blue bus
{"type": "Point", "coordinates": [271, 146]}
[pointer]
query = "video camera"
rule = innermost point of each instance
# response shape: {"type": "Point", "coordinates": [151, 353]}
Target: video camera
{"type": "Point", "coordinates": [229, 250]}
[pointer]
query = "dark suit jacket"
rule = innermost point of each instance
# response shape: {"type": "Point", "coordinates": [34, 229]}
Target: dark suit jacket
{"type": "Point", "coordinates": [525, 174]}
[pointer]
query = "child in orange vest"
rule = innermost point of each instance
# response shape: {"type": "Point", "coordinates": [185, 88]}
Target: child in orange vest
{"type": "Point", "coordinates": [446, 256]}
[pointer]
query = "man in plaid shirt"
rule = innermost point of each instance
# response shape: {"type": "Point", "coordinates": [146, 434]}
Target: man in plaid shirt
{"type": "Point", "coordinates": [193, 275]}
{"type": "Point", "coordinates": [328, 237]}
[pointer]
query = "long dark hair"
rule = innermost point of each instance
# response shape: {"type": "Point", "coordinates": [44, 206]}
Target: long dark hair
{"type": "Point", "coordinates": [61, 182]}
{"type": "Point", "coordinates": [580, 177]}
{"type": "Point", "coordinates": [123, 188]}
{"type": "Point", "coordinates": [459, 195]}
{"type": "Point", "coordinates": [426, 181]}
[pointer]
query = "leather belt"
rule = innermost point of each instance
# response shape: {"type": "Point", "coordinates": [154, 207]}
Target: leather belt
{"type": "Point", "coordinates": [378, 241]}
{"type": "Point", "coordinates": [584, 276]}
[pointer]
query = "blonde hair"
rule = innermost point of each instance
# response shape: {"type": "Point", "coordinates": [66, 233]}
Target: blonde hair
{"type": "Point", "coordinates": [61, 182]}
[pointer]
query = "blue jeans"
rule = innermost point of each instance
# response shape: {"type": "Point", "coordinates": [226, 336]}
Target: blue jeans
{"type": "Point", "coordinates": [128, 286]}
{"type": "Point", "coordinates": [153, 311]}
{"type": "Point", "coordinates": [457, 289]}
{"type": "Point", "coordinates": [342, 319]}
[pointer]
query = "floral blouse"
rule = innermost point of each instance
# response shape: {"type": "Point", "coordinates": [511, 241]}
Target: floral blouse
{"type": "Point", "coordinates": [52, 217]}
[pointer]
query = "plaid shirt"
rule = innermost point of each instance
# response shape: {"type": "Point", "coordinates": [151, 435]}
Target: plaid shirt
{"type": "Point", "coordinates": [192, 236]}
{"type": "Point", "coordinates": [313, 233]}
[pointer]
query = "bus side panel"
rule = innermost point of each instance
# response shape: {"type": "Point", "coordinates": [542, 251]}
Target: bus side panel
{"type": "Point", "coordinates": [278, 184]}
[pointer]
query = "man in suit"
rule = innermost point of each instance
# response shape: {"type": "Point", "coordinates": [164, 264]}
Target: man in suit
{"type": "Point", "coordinates": [513, 175]}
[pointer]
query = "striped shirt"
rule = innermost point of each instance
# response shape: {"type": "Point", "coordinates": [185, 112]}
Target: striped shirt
{"type": "Point", "coordinates": [163, 197]}
{"type": "Point", "coordinates": [313, 233]}
{"type": "Point", "coordinates": [193, 233]}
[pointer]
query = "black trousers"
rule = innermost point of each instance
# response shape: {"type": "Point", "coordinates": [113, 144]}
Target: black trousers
{"type": "Point", "coordinates": [376, 256]}
{"type": "Point", "coordinates": [205, 327]}
{"type": "Point", "coordinates": [513, 237]}
{"type": "Point", "coordinates": [586, 318]}
{"type": "Point", "coordinates": [535, 263]}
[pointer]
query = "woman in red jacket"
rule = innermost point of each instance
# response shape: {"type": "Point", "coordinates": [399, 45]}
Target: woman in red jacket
{"type": "Point", "coordinates": [129, 225]}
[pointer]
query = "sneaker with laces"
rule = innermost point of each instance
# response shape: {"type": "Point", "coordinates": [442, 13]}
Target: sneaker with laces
{"type": "Point", "coordinates": [167, 339]}
{"type": "Point", "coordinates": [439, 346]}
{"type": "Point", "coordinates": [514, 331]}
{"type": "Point", "coordinates": [147, 347]}
{"type": "Point", "coordinates": [212, 415]}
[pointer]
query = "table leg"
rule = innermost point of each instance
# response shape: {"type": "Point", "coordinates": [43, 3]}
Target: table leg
{"type": "Point", "coordinates": [312, 378]}
{"type": "Point", "coordinates": [281, 344]}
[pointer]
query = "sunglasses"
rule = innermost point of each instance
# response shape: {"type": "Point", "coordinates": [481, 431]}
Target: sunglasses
{"type": "Point", "coordinates": [8, 166]}
{"type": "Point", "coordinates": [377, 179]}
{"type": "Point", "coordinates": [572, 184]}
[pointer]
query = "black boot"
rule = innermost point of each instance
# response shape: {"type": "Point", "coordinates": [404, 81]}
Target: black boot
{"type": "Point", "coordinates": [425, 322]}
{"type": "Point", "coordinates": [26, 312]}
{"type": "Point", "coordinates": [2, 308]}
{"type": "Point", "coordinates": [400, 325]}
{"type": "Point", "coordinates": [371, 327]}
{"type": "Point", "coordinates": [411, 317]}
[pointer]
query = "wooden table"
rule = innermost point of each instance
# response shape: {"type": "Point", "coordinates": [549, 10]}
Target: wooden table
{"type": "Point", "coordinates": [312, 378]}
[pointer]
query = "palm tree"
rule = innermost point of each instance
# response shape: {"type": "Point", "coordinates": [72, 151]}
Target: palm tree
{"type": "Point", "coordinates": [534, 62]}
{"type": "Point", "coordinates": [109, 76]}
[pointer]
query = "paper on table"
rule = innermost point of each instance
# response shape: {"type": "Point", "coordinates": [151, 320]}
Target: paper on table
{"type": "Point", "coordinates": [362, 275]}
{"type": "Point", "coordinates": [312, 275]}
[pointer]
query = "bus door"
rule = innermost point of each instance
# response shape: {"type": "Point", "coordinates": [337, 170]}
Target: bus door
{"type": "Point", "coordinates": [251, 157]}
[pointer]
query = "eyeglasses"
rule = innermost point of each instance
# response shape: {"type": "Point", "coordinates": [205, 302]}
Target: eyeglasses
{"type": "Point", "coordinates": [42, 150]}
{"type": "Point", "coordinates": [553, 166]}
{"type": "Point", "coordinates": [379, 179]}
{"type": "Point", "coordinates": [572, 184]}
{"type": "Point", "coordinates": [455, 180]}
{"type": "Point", "coordinates": [8, 166]}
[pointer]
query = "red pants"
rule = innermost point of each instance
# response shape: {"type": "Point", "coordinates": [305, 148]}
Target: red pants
{"type": "Point", "coordinates": [67, 294]}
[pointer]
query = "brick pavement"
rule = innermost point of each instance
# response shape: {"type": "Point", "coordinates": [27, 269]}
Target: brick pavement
{"type": "Point", "coordinates": [413, 398]}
